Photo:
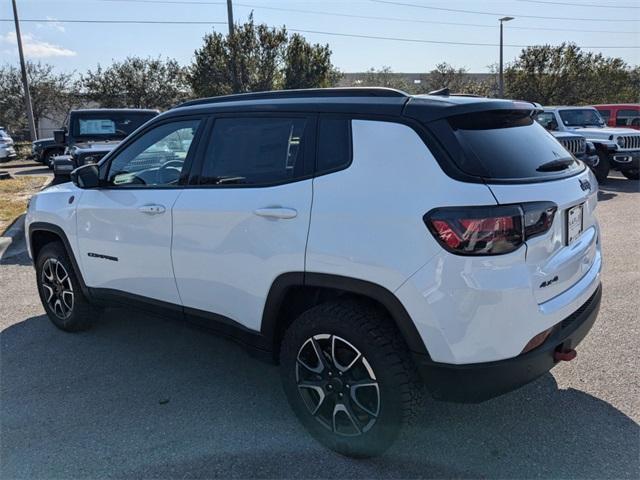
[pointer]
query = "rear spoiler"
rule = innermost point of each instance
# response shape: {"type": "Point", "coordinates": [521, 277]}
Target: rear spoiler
{"type": "Point", "coordinates": [425, 109]}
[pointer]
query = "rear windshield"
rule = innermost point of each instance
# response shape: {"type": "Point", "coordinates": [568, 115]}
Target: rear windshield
{"type": "Point", "coordinates": [108, 125]}
{"type": "Point", "coordinates": [505, 145]}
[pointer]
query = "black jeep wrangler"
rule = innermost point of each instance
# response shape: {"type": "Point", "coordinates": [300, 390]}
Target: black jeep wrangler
{"type": "Point", "coordinates": [89, 134]}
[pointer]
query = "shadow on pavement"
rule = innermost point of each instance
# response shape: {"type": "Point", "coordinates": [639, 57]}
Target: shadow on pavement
{"type": "Point", "coordinates": [615, 185]}
{"type": "Point", "coordinates": [140, 396]}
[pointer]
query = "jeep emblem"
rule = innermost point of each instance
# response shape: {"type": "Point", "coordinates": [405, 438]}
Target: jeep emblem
{"type": "Point", "coordinates": [585, 185]}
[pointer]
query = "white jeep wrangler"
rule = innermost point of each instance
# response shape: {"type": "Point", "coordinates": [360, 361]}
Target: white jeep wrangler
{"type": "Point", "coordinates": [371, 242]}
{"type": "Point", "coordinates": [617, 148]}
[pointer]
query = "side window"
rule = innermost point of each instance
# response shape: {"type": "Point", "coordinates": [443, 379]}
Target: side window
{"type": "Point", "coordinates": [255, 151]}
{"type": "Point", "coordinates": [156, 158]}
{"type": "Point", "coordinates": [547, 120]}
{"type": "Point", "coordinates": [605, 114]}
{"type": "Point", "coordinates": [627, 117]}
{"type": "Point", "coordinates": [334, 144]}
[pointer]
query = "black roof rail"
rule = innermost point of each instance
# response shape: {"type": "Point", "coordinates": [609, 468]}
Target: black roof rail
{"type": "Point", "coordinates": [301, 93]}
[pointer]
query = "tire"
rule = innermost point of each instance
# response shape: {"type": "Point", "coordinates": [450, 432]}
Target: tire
{"type": "Point", "coordinates": [345, 419]}
{"type": "Point", "coordinates": [60, 291]}
{"type": "Point", "coordinates": [48, 157]}
{"type": "Point", "coordinates": [601, 171]}
{"type": "Point", "coordinates": [631, 174]}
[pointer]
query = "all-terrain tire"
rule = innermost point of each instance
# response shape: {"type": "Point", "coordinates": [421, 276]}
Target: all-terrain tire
{"type": "Point", "coordinates": [60, 291]}
{"type": "Point", "coordinates": [369, 330]}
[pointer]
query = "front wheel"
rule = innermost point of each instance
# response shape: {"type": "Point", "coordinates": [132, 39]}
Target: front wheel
{"type": "Point", "coordinates": [60, 291]}
{"type": "Point", "coordinates": [349, 378]}
{"type": "Point", "coordinates": [48, 157]}
{"type": "Point", "coordinates": [632, 174]}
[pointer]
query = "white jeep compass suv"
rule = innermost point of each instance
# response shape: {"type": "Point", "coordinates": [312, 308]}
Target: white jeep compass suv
{"type": "Point", "coordinates": [369, 241]}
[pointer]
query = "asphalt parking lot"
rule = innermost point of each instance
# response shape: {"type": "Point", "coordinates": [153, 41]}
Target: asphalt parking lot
{"type": "Point", "coordinates": [142, 396]}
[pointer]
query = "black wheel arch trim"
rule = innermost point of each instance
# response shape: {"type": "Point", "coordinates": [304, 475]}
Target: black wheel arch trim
{"type": "Point", "coordinates": [375, 292]}
{"type": "Point", "coordinates": [59, 232]}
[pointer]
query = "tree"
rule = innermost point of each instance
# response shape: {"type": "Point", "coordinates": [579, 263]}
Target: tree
{"type": "Point", "coordinates": [137, 83]}
{"type": "Point", "coordinates": [263, 58]}
{"type": "Point", "coordinates": [458, 80]}
{"type": "Point", "coordinates": [566, 75]}
{"type": "Point", "coordinates": [383, 77]}
{"type": "Point", "coordinates": [50, 92]}
{"type": "Point", "coordinates": [308, 66]}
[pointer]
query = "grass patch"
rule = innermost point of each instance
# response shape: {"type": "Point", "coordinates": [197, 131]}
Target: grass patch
{"type": "Point", "coordinates": [14, 195]}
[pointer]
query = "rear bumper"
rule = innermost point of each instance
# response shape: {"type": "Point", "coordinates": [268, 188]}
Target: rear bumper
{"type": "Point", "coordinates": [474, 383]}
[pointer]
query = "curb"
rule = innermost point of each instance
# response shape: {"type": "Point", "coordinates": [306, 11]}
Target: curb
{"type": "Point", "coordinates": [12, 235]}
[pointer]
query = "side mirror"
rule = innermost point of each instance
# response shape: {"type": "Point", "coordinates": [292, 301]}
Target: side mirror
{"type": "Point", "coordinates": [87, 176]}
{"type": "Point", "coordinates": [60, 136]}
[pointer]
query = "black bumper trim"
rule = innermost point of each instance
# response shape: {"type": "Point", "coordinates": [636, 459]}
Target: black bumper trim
{"type": "Point", "coordinates": [474, 383]}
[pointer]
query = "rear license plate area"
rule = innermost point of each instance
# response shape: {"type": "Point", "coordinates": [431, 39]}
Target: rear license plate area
{"type": "Point", "coordinates": [574, 220]}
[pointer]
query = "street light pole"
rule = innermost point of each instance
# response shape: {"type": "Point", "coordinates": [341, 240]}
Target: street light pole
{"type": "Point", "coordinates": [25, 80]}
{"type": "Point", "coordinates": [501, 76]}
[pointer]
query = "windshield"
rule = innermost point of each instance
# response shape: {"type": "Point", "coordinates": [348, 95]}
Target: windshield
{"type": "Point", "coordinates": [581, 117]}
{"type": "Point", "coordinates": [108, 125]}
{"type": "Point", "coordinates": [505, 145]}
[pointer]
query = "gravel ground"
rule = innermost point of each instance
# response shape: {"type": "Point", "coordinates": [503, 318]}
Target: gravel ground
{"type": "Point", "coordinates": [141, 396]}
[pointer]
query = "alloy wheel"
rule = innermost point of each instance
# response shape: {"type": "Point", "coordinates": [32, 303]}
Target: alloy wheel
{"type": "Point", "coordinates": [57, 288]}
{"type": "Point", "coordinates": [338, 385]}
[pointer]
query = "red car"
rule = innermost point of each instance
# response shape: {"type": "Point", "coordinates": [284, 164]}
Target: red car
{"type": "Point", "coordinates": [621, 114]}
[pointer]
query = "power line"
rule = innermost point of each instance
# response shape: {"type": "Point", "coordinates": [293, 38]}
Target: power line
{"type": "Point", "coordinates": [592, 5]}
{"type": "Point", "coordinates": [456, 10]}
{"type": "Point", "coordinates": [299, 30]}
{"type": "Point", "coordinates": [125, 22]}
{"type": "Point", "coordinates": [373, 17]}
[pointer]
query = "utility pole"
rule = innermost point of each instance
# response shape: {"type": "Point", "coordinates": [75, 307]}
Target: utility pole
{"type": "Point", "coordinates": [25, 80]}
{"type": "Point", "coordinates": [232, 47]}
{"type": "Point", "coordinates": [501, 76]}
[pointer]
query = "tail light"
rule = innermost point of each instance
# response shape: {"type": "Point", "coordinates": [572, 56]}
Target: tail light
{"type": "Point", "coordinates": [493, 230]}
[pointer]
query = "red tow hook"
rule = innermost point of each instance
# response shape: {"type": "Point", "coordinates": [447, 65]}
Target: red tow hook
{"type": "Point", "coordinates": [564, 355]}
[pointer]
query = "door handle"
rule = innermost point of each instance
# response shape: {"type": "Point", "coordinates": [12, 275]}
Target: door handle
{"type": "Point", "coordinates": [152, 209]}
{"type": "Point", "coordinates": [276, 212]}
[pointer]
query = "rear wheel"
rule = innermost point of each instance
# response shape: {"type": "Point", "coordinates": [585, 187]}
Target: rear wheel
{"type": "Point", "coordinates": [60, 290]}
{"type": "Point", "coordinates": [601, 170]}
{"type": "Point", "coordinates": [631, 174]}
{"type": "Point", "coordinates": [349, 378]}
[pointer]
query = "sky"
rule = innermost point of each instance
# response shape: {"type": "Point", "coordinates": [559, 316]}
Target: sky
{"type": "Point", "coordinates": [473, 23]}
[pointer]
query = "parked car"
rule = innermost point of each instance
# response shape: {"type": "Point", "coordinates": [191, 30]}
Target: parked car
{"type": "Point", "coordinates": [621, 115]}
{"type": "Point", "coordinates": [45, 149]}
{"type": "Point", "coordinates": [579, 147]}
{"type": "Point", "coordinates": [369, 241]}
{"type": "Point", "coordinates": [89, 134]}
{"type": "Point", "coordinates": [618, 148]}
{"type": "Point", "coordinates": [7, 149]}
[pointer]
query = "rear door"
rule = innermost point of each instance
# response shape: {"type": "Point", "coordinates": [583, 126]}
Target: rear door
{"type": "Point", "coordinates": [247, 220]}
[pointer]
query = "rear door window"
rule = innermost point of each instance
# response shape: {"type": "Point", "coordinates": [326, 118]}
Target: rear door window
{"type": "Point", "coordinates": [256, 151]}
{"type": "Point", "coordinates": [505, 145]}
{"type": "Point", "coordinates": [334, 144]}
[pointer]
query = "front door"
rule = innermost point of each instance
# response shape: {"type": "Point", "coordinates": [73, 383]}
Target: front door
{"type": "Point", "coordinates": [247, 221]}
{"type": "Point", "coordinates": [125, 228]}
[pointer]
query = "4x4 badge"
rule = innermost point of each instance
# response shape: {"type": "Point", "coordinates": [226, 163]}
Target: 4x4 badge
{"type": "Point", "coordinates": [585, 185]}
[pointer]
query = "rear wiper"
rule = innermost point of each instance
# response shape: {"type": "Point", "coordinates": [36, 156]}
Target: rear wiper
{"type": "Point", "coordinates": [555, 165]}
{"type": "Point", "coordinates": [227, 179]}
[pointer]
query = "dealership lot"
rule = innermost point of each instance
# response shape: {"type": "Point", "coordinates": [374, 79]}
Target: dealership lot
{"type": "Point", "coordinates": [144, 396]}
